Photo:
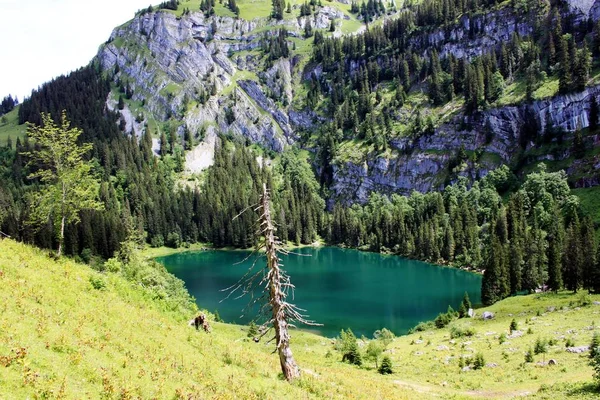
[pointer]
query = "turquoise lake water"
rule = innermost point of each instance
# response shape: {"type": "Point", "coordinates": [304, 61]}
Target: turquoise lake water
{"type": "Point", "coordinates": [339, 288]}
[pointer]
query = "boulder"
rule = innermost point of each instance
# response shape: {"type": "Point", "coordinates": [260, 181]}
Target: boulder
{"type": "Point", "coordinates": [578, 349]}
{"type": "Point", "coordinates": [487, 315]}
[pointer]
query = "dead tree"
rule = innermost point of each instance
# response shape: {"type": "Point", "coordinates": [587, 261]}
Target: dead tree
{"type": "Point", "coordinates": [276, 279]}
{"type": "Point", "coordinates": [275, 285]}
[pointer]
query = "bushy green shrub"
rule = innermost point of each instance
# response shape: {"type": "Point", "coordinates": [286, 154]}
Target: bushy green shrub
{"type": "Point", "coordinates": [458, 332]}
{"type": "Point", "coordinates": [479, 361]}
{"type": "Point", "coordinates": [422, 327]}
{"type": "Point", "coordinates": [173, 240]}
{"type": "Point", "coordinates": [595, 345]}
{"type": "Point", "coordinates": [502, 338]}
{"type": "Point", "coordinates": [529, 356]}
{"type": "Point", "coordinates": [252, 329]}
{"type": "Point", "coordinates": [385, 336]}
{"type": "Point", "coordinates": [97, 282]}
{"type": "Point", "coordinates": [540, 346]}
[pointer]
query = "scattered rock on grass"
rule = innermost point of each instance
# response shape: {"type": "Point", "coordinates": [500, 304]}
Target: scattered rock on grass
{"type": "Point", "coordinates": [578, 349]}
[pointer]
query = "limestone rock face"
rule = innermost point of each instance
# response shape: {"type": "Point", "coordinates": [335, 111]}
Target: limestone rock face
{"type": "Point", "coordinates": [171, 63]}
{"type": "Point", "coordinates": [421, 164]}
{"type": "Point", "coordinates": [202, 74]}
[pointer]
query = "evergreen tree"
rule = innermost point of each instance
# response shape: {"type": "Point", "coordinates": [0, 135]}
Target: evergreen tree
{"type": "Point", "coordinates": [277, 10]}
{"type": "Point", "coordinates": [163, 144]}
{"type": "Point", "coordinates": [582, 67]}
{"type": "Point", "coordinates": [495, 285]}
{"type": "Point", "coordinates": [589, 256]}
{"type": "Point", "coordinates": [555, 250]}
{"type": "Point", "coordinates": [465, 305]}
{"type": "Point", "coordinates": [386, 366]}
{"type": "Point", "coordinates": [564, 74]}
{"type": "Point", "coordinates": [596, 273]}
{"type": "Point", "coordinates": [572, 258]}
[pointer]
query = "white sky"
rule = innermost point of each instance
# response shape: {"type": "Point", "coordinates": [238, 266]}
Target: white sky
{"type": "Point", "coordinates": [42, 39]}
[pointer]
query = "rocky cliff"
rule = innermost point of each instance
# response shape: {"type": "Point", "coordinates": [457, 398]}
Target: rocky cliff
{"type": "Point", "coordinates": [208, 74]}
{"type": "Point", "coordinates": [422, 164]}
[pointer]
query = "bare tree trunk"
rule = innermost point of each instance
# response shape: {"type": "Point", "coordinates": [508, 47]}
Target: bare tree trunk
{"type": "Point", "coordinates": [276, 296]}
{"type": "Point", "coordinates": [61, 238]}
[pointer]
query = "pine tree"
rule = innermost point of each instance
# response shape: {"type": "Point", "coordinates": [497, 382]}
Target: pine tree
{"type": "Point", "coordinates": [555, 251]}
{"type": "Point", "coordinates": [589, 256]}
{"type": "Point", "coordinates": [572, 257]}
{"type": "Point", "coordinates": [582, 67]}
{"type": "Point", "coordinates": [495, 285]}
{"type": "Point", "coordinates": [386, 366]}
{"type": "Point", "coordinates": [465, 305]}
{"type": "Point", "coordinates": [277, 11]}
{"type": "Point", "coordinates": [596, 273]}
{"type": "Point", "coordinates": [564, 74]}
{"type": "Point", "coordinates": [163, 144]}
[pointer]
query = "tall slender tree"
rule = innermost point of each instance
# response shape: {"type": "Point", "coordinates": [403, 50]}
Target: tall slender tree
{"type": "Point", "coordinates": [68, 184]}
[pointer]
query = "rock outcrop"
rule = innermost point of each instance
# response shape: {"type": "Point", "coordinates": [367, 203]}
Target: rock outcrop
{"type": "Point", "coordinates": [422, 164]}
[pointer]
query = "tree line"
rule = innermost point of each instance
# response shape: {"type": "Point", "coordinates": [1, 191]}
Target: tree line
{"type": "Point", "coordinates": [539, 238]}
{"type": "Point", "coordinates": [136, 184]}
{"type": "Point", "coordinates": [359, 70]}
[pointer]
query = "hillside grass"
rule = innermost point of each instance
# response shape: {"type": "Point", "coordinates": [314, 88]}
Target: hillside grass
{"type": "Point", "coordinates": [11, 127]}
{"type": "Point", "coordinates": [62, 338]}
{"type": "Point", "coordinates": [590, 201]}
{"type": "Point", "coordinates": [68, 331]}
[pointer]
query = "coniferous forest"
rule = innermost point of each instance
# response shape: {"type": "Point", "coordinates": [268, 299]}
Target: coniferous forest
{"type": "Point", "coordinates": [526, 232]}
{"type": "Point", "coordinates": [524, 235]}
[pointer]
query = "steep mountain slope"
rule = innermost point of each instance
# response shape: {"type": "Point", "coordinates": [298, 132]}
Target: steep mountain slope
{"type": "Point", "coordinates": [222, 74]}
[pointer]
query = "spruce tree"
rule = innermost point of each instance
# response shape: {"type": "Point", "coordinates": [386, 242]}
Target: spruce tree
{"type": "Point", "coordinates": [596, 273]}
{"type": "Point", "coordinates": [386, 366]}
{"type": "Point", "coordinates": [564, 73]}
{"type": "Point", "coordinates": [588, 256]}
{"type": "Point", "coordinates": [277, 11]}
{"type": "Point", "coordinates": [555, 251]}
{"type": "Point", "coordinates": [495, 285]}
{"type": "Point", "coordinates": [573, 256]}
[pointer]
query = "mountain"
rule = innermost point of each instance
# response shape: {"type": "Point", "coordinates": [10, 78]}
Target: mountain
{"type": "Point", "coordinates": [221, 74]}
{"type": "Point", "coordinates": [460, 100]}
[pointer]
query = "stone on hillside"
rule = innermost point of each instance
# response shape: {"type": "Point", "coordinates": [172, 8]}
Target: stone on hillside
{"type": "Point", "coordinates": [578, 349]}
{"type": "Point", "coordinates": [552, 361]}
{"type": "Point", "coordinates": [515, 334]}
{"type": "Point", "coordinates": [443, 348]}
{"type": "Point", "coordinates": [471, 313]}
{"type": "Point", "coordinates": [487, 315]}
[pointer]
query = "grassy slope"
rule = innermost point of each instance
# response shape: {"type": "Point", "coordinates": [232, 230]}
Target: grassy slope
{"type": "Point", "coordinates": [590, 200]}
{"type": "Point", "coordinates": [11, 128]}
{"type": "Point", "coordinates": [80, 342]}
